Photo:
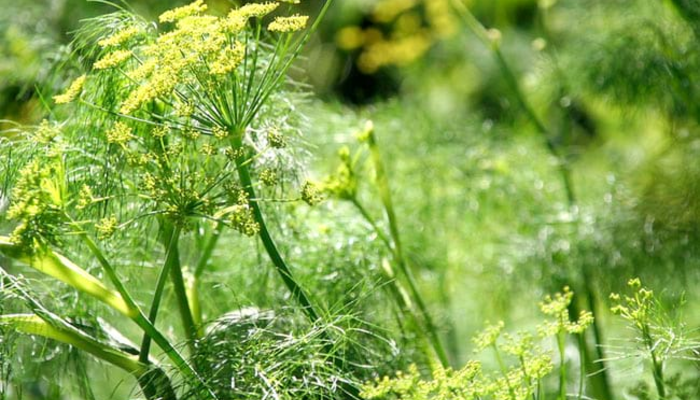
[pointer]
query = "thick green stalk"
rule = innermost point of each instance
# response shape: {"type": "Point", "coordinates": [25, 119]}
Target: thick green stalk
{"type": "Point", "coordinates": [169, 264]}
{"type": "Point", "coordinates": [561, 346]}
{"type": "Point", "coordinates": [385, 195]}
{"type": "Point", "coordinates": [657, 365]}
{"type": "Point", "coordinates": [208, 251]}
{"type": "Point", "coordinates": [269, 244]}
{"type": "Point", "coordinates": [154, 383]}
{"type": "Point", "coordinates": [144, 323]}
{"type": "Point", "coordinates": [193, 282]}
{"type": "Point", "coordinates": [171, 234]}
{"type": "Point", "coordinates": [276, 257]}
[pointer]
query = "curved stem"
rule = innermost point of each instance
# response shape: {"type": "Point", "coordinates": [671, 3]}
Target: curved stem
{"type": "Point", "coordinates": [154, 383]}
{"type": "Point", "coordinates": [561, 345]}
{"type": "Point", "coordinates": [366, 215]}
{"type": "Point", "coordinates": [140, 319]}
{"type": "Point", "coordinates": [158, 295]}
{"type": "Point", "coordinates": [208, 250]}
{"type": "Point", "coordinates": [385, 195]}
{"type": "Point", "coordinates": [172, 231]}
{"type": "Point", "coordinates": [269, 244]}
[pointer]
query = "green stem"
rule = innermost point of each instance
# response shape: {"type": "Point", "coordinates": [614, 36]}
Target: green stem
{"type": "Point", "coordinates": [561, 345]}
{"type": "Point", "coordinates": [395, 287]}
{"type": "Point", "coordinates": [154, 383]}
{"type": "Point", "coordinates": [158, 295]}
{"type": "Point", "coordinates": [278, 261]}
{"type": "Point", "coordinates": [657, 365]}
{"type": "Point", "coordinates": [172, 246]}
{"type": "Point", "coordinates": [208, 251]}
{"type": "Point", "coordinates": [583, 361]}
{"type": "Point", "coordinates": [144, 323]}
{"type": "Point", "coordinates": [385, 195]}
{"type": "Point", "coordinates": [269, 244]}
{"type": "Point", "coordinates": [366, 215]}
{"type": "Point", "coordinates": [504, 370]}
{"type": "Point", "coordinates": [597, 370]}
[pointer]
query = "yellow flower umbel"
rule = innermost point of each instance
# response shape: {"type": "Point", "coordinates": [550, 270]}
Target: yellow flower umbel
{"type": "Point", "coordinates": [72, 92]}
{"type": "Point", "coordinates": [179, 13]}
{"type": "Point", "coordinates": [404, 31]}
{"type": "Point", "coordinates": [288, 24]}
{"type": "Point", "coordinates": [229, 60]}
{"type": "Point", "coordinates": [256, 10]}
{"type": "Point", "coordinates": [119, 37]}
{"type": "Point", "coordinates": [120, 134]}
{"type": "Point", "coordinates": [558, 307]}
{"type": "Point", "coordinates": [113, 59]}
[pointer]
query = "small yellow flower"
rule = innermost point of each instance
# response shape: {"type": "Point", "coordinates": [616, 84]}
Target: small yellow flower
{"type": "Point", "coordinates": [119, 37]}
{"type": "Point", "coordinates": [106, 227]}
{"type": "Point", "coordinates": [288, 24]}
{"type": "Point", "coordinates": [113, 59]}
{"type": "Point", "coordinates": [311, 193]}
{"type": "Point", "coordinates": [488, 336]}
{"type": "Point", "coordinates": [179, 13]}
{"type": "Point", "coordinates": [73, 91]}
{"type": "Point", "coordinates": [120, 134]}
{"type": "Point", "coordinates": [234, 23]}
{"type": "Point", "coordinates": [228, 60]}
{"type": "Point", "coordinates": [256, 10]}
{"type": "Point", "coordinates": [219, 133]}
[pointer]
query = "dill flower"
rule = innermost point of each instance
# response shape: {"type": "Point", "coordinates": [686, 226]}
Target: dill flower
{"type": "Point", "coordinates": [179, 13]}
{"type": "Point", "coordinates": [558, 307]}
{"type": "Point", "coordinates": [229, 60]}
{"type": "Point", "coordinates": [219, 133]}
{"type": "Point", "coordinates": [106, 227]}
{"type": "Point", "coordinates": [112, 59]}
{"type": "Point", "coordinates": [45, 133]}
{"type": "Point", "coordinates": [119, 37]}
{"type": "Point", "coordinates": [636, 309]}
{"type": "Point", "coordinates": [311, 193]}
{"type": "Point", "coordinates": [276, 139]}
{"type": "Point", "coordinates": [234, 23]}
{"type": "Point", "coordinates": [85, 197]}
{"type": "Point", "coordinates": [268, 177]}
{"type": "Point", "coordinates": [288, 24]}
{"type": "Point", "coordinates": [488, 336]}
{"type": "Point", "coordinates": [256, 10]}
{"type": "Point", "coordinates": [72, 92]}
{"type": "Point", "coordinates": [120, 134]}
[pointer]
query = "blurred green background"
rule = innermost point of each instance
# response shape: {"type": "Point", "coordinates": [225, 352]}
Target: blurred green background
{"type": "Point", "coordinates": [480, 197]}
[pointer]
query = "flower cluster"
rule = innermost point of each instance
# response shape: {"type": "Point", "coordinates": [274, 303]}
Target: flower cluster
{"type": "Point", "coordinates": [344, 182]}
{"type": "Point", "coordinates": [72, 92]}
{"type": "Point", "coordinates": [414, 27]}
{"type": "Point", "coordinates": [637, 308]}
{"type": "Point", "coordinates": [186, 97]}
{"type": "Point", "coordinates": [520, 379]}
{"type": "Point", "coordinates": [558, 308]}
{"type": "Point", "coordinates": [39, 200]}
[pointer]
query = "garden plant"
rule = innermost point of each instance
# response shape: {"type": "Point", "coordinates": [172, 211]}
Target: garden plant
{"type": "Point", "coordinates": [323, 199]}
